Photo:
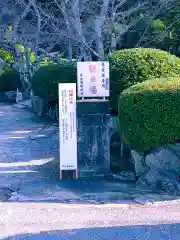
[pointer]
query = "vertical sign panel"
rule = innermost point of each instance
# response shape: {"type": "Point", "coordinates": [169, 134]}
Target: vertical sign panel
{"type": "Point", "coordinates": [67, 126]}
{"type": "Point", "coordinates": [93, 79]}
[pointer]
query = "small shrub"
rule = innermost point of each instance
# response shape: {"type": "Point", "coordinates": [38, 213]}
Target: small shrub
{"type": "Point", "coordinates": [45, 80]}
{"type": "Point", "coordinates": [9, 80]}
{"type": "Point", "coordinates": [131, 66]}
{"type": "Point", "coordinates": [149, 113]}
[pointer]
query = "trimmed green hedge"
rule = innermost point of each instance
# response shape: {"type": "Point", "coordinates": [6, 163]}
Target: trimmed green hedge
{"type": "Point", "coordinates": [45, 80]}
{"type": "Point", "coordinates": [149, 113]}
{"type": "Point", "coordinates": [10, 80]}
{"type": "Point", "coordinates": [131, 66]}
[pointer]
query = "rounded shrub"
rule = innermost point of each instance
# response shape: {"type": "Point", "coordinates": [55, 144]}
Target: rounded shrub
{"type": "Point", "coordinates": [10, 80]}
{"type": "Point", "coordinates": [149, 113]}
{"type": "Point", "coordinates": [131, 66]}
{"type": "Point", "coordinates": [45, 80]}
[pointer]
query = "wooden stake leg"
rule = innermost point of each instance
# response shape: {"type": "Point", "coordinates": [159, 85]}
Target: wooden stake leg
{"type": "Point", "coordinates": [60, 174]}
{"type": "Point", "coordinates": [76, 173]}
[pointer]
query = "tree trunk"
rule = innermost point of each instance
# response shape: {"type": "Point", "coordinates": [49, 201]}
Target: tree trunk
{"type": "Point", "coordinates": [69, 50]}
{"type": "Point", "coordinates": [113, 43]}
{"type": "Point", "coordinates": [100, 47]}
{"type": "Point", "coordinates": [99, 42]}
{"type": "Point", "coordinates": [23, 83]}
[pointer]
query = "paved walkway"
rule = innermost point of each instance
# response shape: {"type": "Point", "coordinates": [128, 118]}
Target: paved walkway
{"type": "Point", "coordinates": [29, 166]}
{"type": "Point", "coordinates": [44, 221]}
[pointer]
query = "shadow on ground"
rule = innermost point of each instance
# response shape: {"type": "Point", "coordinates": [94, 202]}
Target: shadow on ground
{"type": "Point", "coordinates": [104, 190]}
{"type": "Point", "coordinates": [148, 232]}
{"type": "Point", "coordinates": [42, 184]}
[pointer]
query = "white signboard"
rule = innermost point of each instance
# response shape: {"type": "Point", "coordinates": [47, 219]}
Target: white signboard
{"type": "Point", "coordinates": [67, 126]}
{"type": "Point", "coordinates": [93, 79]}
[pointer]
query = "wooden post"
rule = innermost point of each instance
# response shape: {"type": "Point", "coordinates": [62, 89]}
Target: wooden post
{"type": "Point", "coordinates": [60, 174]}
{"type": "Point", "coordinates": [76, 173]}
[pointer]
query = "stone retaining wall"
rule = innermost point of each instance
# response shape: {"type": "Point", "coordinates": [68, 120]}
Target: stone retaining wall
{"type": "Point", "coordinates": [159, 169]}
{"type": "Point", "coordinates": [11, 96]}
{"type": "Point", "coordinates": [8, 96]}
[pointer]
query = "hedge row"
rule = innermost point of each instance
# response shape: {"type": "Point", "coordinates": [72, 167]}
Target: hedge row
{"type": "Point", "coordinates": [9, 80]}
{"type": "Point", "coordinates": [127, 67]}
{"type": "Point", "coordinates": [131, 66]}
{"type": "Point", "coordinates": [149, 113]}
{"type": "Point", "coordinates": [45, 80]}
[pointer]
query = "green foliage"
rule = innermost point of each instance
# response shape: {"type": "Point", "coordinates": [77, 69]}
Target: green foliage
{"type": "Point", "coordinates": [158, 25]}
{"type": "Point", "coordinates": [10, 28]}
{"type": "Point", "coordinates": [163, 33]}
{"type": "Point", "coordinates": [9, 58]}
{"type": "Point", "coordinates": [45, 80]}
{"type": "Point", "coordinates": [9, 80]}
{"type": "Point", "coordinates": [6, 56]}
{"type": "Point", "coordinates": [47, 60]}
{"type": "Point", "coordinates": [149, 113]}
{"type": "Point", "coordinates": [32, 57]}
{"type": "Point", "coordinates": [20, 47]}
{"type": "Point", "coordinates": [1, 70]}
{"type": "Point", "coordinates": [131, 66]}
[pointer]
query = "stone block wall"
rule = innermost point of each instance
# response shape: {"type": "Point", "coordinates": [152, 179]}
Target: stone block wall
{"type": "Point", "coordinates": [8, 96]}
{"type": "Point", "coordinates": [93, 137]}
{"type": "Point", "coordinates": [159, 169]}
{"type": "Point", "coordinates": [11, 96]}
